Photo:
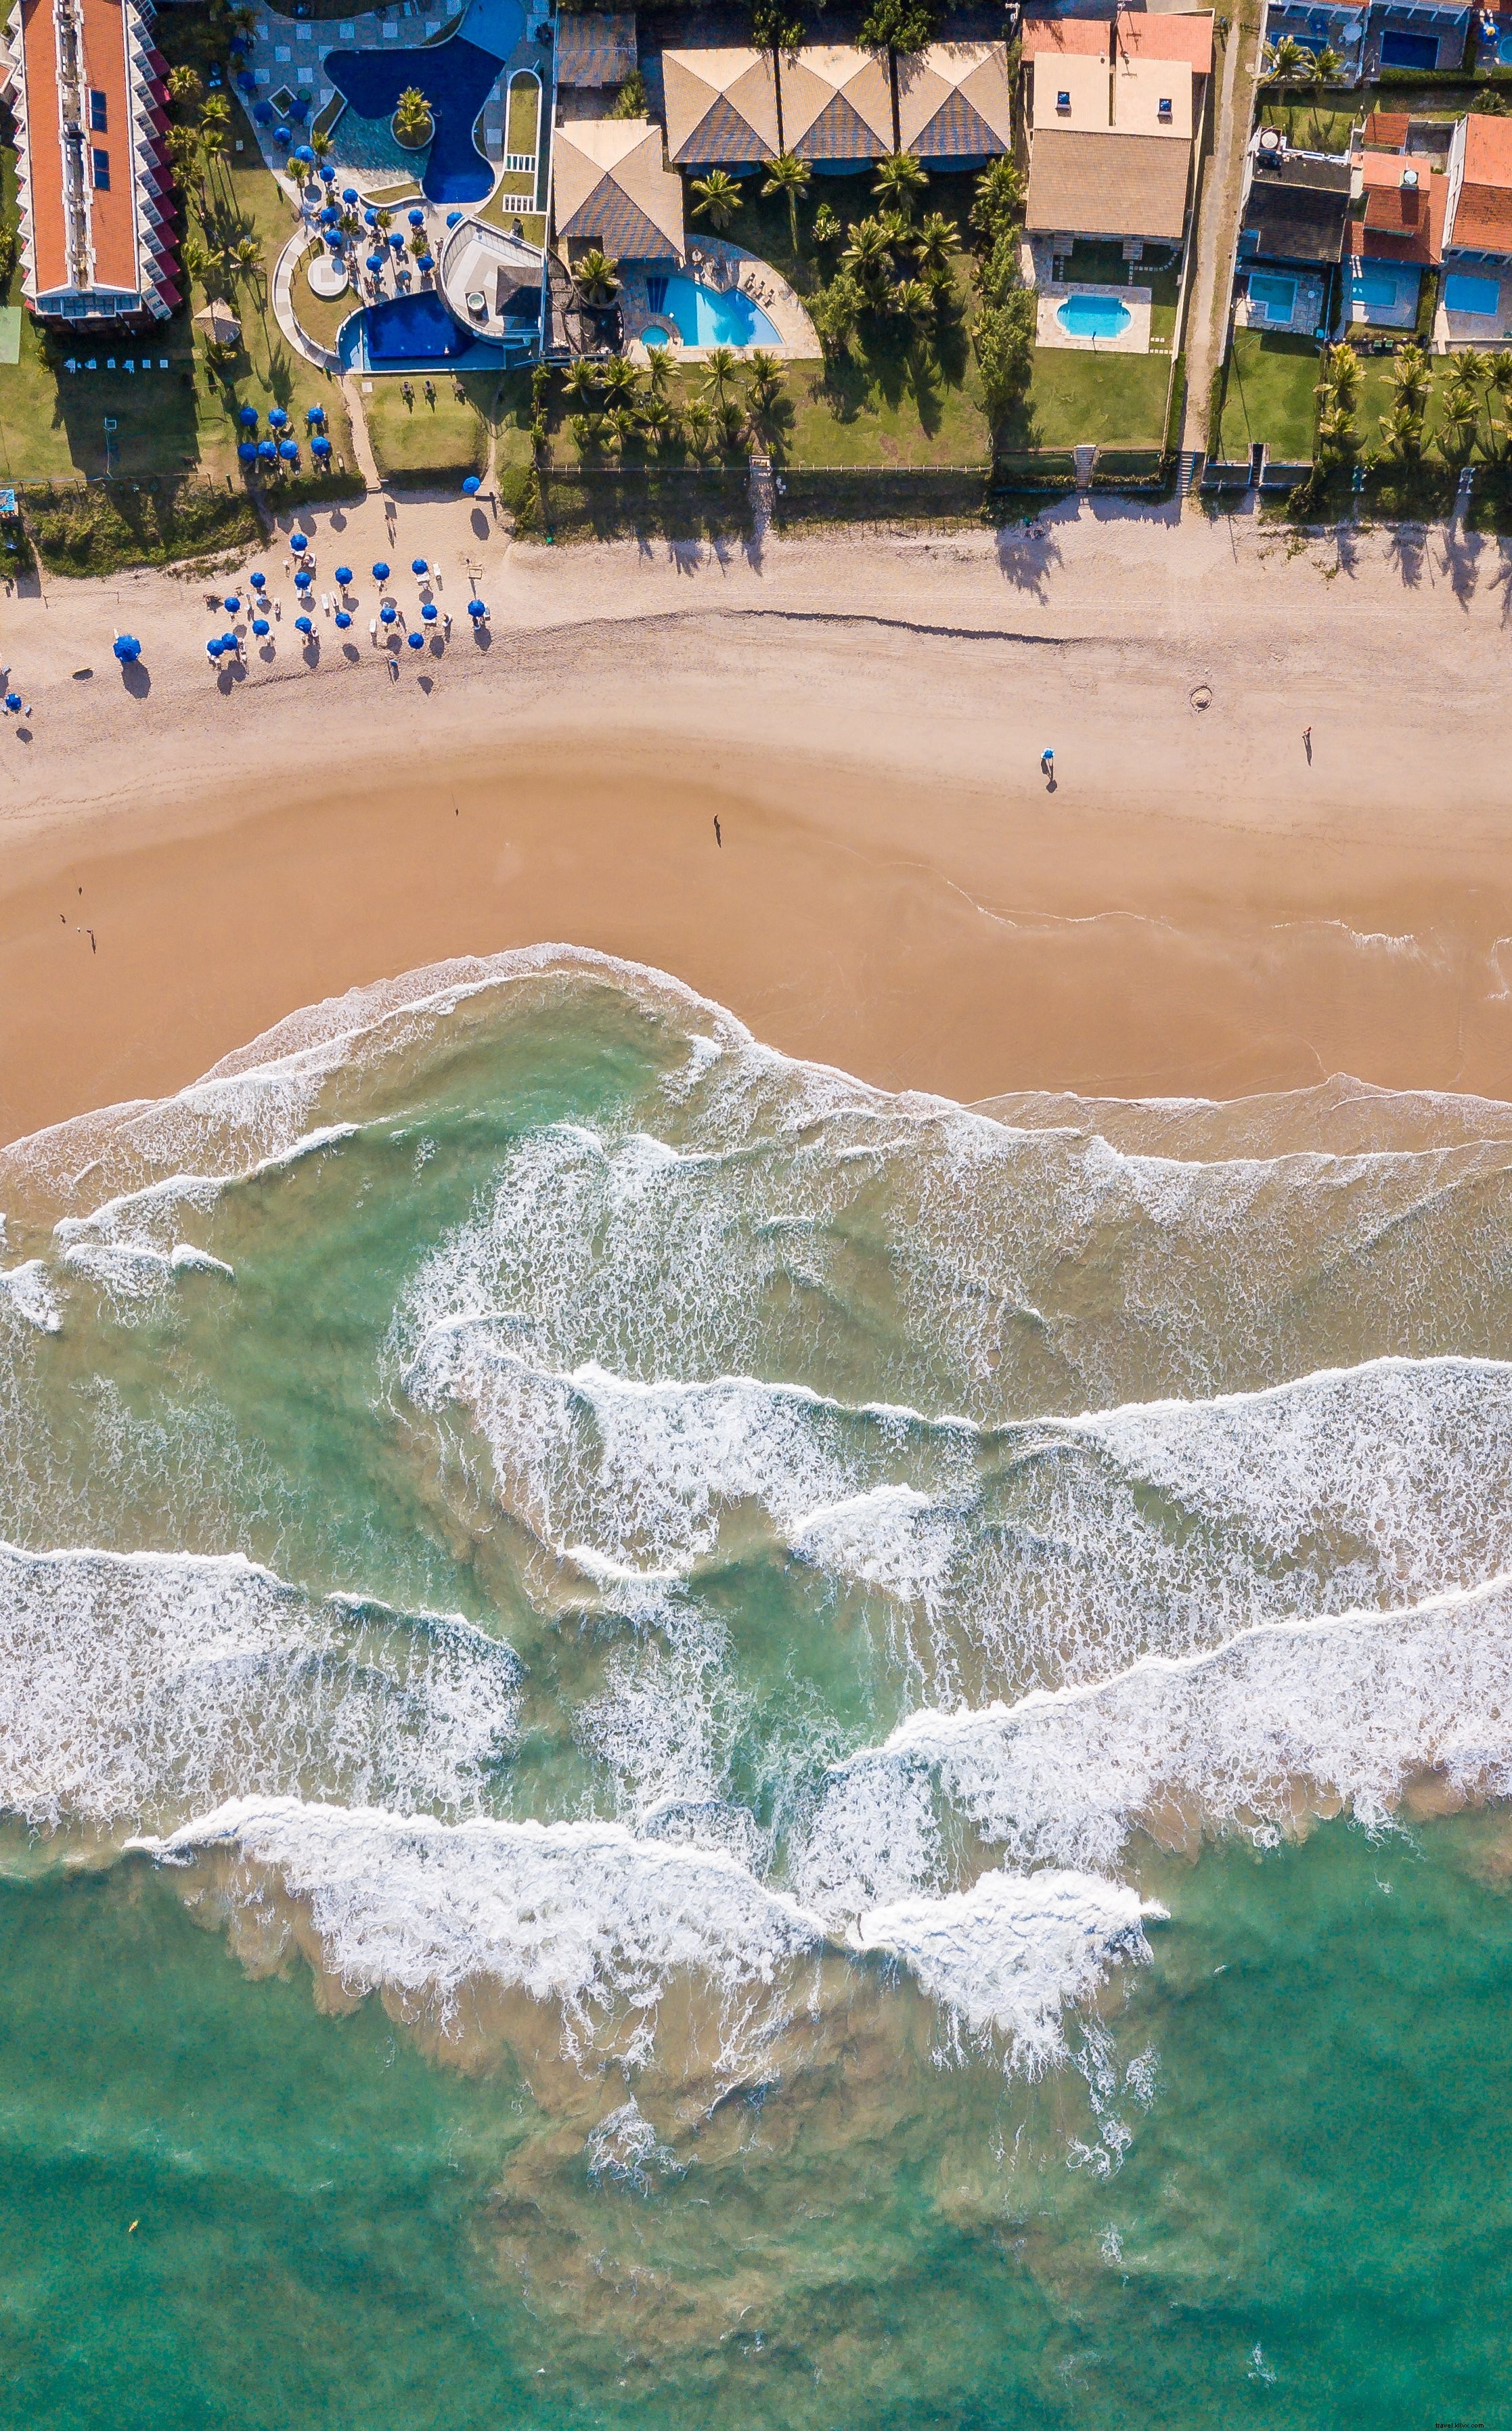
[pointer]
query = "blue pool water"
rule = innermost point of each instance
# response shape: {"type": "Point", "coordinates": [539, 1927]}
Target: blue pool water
{"type": "Point", "coordinates": [1093, 316]}
{"type": "Point", "coordinates": [708, 316]}
{"type": "Point", "coordinates": [1465, 294]}
{"type": "Point", "coordinates": [410, 330]}
{"type": "Point", "coordinates": [1275, 294]}
{"type": "Point", "coordinates": [1399, 50]}
{"type": "Point", "coordinates": [1381, 288]}
{"type": "Point", "coordinates": [455, 77]}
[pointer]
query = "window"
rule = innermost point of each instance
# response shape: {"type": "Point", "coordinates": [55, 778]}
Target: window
{"type": "Point", "coordinates": [1164, 110]}
{"type": "Point", "coordinates": [100, 163]}
{"type": "Point", "coordinates": [99, 115]}
{"type": "Point", "coordinates": [1063, 101]}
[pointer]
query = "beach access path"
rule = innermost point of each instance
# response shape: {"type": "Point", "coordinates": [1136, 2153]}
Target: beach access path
{"type": "Point", "coordinates": [1194, 908]}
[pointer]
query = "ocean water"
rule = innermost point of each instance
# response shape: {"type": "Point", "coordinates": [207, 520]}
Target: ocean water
{"type": "Point", "coordinates": [682, 1743]}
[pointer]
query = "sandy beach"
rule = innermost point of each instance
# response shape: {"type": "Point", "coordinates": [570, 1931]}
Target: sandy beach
{"type": "Point", "coordinates": [1196, 907]}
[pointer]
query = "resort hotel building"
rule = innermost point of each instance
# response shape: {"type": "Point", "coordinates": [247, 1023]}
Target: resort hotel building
{"type": "Point", "coordinates": [86, 85]}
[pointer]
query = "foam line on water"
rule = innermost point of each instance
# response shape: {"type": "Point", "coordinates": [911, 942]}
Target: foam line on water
{"type": "Point", "coordinates": [136, 1686]}
{"type": "Point", "coordinates": [27, 1289]}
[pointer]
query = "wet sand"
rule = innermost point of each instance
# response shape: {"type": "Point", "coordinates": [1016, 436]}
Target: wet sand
{"type": "Point", "coordinates": [1195, 909]}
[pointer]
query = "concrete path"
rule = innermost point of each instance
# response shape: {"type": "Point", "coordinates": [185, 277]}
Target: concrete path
{"type": "Point", "coordinates": [1207, 319]}
{"type": "Point", "coordinates": [361, 446]}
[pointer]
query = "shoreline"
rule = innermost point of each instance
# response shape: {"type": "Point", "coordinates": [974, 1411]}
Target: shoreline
{"type": "Point", "coordinates": [1196, 910]}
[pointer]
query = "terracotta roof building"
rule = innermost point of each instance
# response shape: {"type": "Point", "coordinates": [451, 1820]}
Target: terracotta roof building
{"type": "Point", "coordinates": [1112, 108]}
{"type": "Point", "coordinates": [87, 87]}
{"type": "Point", "coordinates": [721, 108]}
{"type": "Point", "coordinates": [1405, 201]}
{"type": "Point", "coordinates": [1479, 216]}
{"type": "Point", "coordinates": [610, 188]}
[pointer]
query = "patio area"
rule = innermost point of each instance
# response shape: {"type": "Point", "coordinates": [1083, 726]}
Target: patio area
{"type": "Point", "coordinates": [1289, 301]}
{"type": "Point", "coordinates": [1486, 287]}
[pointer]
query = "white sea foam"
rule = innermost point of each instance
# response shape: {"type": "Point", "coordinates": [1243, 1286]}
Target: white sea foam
{"type": "Point", "coordinates": [136, 1687]}
{"type": "Point", "coordinates": [1338, 1712]}
{"type": "Point", "coordinates": [28, 1290]}
{"type": "Point", "coordinates": [1007, 1956]}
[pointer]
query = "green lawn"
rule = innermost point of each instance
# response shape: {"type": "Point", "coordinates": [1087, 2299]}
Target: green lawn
{"type": "Point", "coordinates": [424, 438]}
{"type": "Point", "coordinates": [1313, 125]}
{"type": "Point", "coordinates": [320, 316]}
{"type": "Point", "coordinates": [1269, 396]}
{"type": "Point", "coordinates": [1079, 399]}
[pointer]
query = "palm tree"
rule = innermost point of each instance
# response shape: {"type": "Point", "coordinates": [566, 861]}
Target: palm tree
{"type": "Point", "coordinates": [935, 244]}
{"type": "Point", "coordinates": [1412, 379]}
{"type": "Point", "coordinates": [621, 422]}
{"type": "Point", "coordinates": [580, 379]}
{"type": "Point", "coordinates": [1459, 417]}
{"type": "Point", "coordinates": [1467, 368]}
{"type": "Point", "coordinates": [826, 225]}
{"type": "Point", "coordinates": [659, 370]}
{"type": "Point", "coordinates": [320, 144]}
{"type": "Point", "coordinates": [598, 276]}
{"type": "Point", "coordinates": [1341, 376]}
{"type": "Point", "coordinates": [868, 257]}
{"type": "Point", "coordinates": [789, 176]}
{"type": "Point", "coordinates": [246, 254]}
{"type": "Point", "coordinates": [718, 371]}
{"type": "Point", "coordinates": [580, 432]}
{"type": "Point", "coordinates": [732, 422]}
{"type": "Point", "coordinates": [1498, 372]}
{"type": "Point", "coordinates": [767, 373]}
{"type": "Point", "coordinates": [655, 417]}
{"type": "Point", "coordinates": [901, 180]}
{"type": "Point", "coordinates": [1287, 58]}
{"type": "Point", "coordinates": [1327, 66]}
{"type": "Point", "coordinates": [419, 244]}
{"type": "Point", "coordinates": [914, 301]}
{"type": "Point", "coordinates": [385, 221]}
{"type": "Point", "coordinates": [834, 312]}
{"type": "Point", "coordinates": [719, 198]}
{"type": "Point", "coordinates": [184, 87]}
{"type": "Point", "coordinates": [622, 381]}
{"type": "Point", "coordinates": [216, 111]}
{"type": "Point", "coordinates": [698, 420]}
{"type": "Point", "coordinates": [411, 117]}
{"type": "Point", "coordinates": [197, 261]}
{"type": "Point", "coordinates": [1401, 431]}
{"type": "Point", "coordinates": [1337, 437]}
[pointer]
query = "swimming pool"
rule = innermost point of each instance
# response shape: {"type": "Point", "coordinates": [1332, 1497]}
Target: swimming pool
{"type": "Point", "coordinates": [1380, 288]}
{"type": "Point", "coordinates": [1481, 297]}
{"type": "Point", "coordinates": [1093, 316]}
{"type": "Point", "coordinates": [708, 316]}
{"type": "Point", "coordinates": [1275, 295]}
{"type": "Point", "coordinates": [456, 78]}
{"type": "Point", "coordinates": [406, 332]}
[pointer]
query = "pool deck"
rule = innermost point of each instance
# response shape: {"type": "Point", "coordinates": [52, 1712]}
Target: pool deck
{"type": "Point", "coordinates": [1476, 329]}
{"type": "Point", "coordinates": [730, 266]}
{"type": "Point", "coordinates": [1307, 305]}
{"type": "Point", "coordinates": [1134, 340]}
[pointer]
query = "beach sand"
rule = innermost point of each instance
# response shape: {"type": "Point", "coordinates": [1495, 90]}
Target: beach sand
{"type": "Point", "coordinates": [1195, 909]}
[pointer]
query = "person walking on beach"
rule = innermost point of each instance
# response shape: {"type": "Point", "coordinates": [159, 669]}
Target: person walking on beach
{"type": "Point", "coordinates": [1047, 763]}
{"type": "Point", "coordinates": [718, 838]}
{"type": "Point", "coordinates": [1307, 744]}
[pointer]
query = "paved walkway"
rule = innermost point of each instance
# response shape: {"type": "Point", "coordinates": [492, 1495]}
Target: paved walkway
{"type": "Point", "coordinates": [361, 446]}
{"type": "Point", "coordinates": [1207, 319]}
{"type": "Point", "coordinates": [283, 311]}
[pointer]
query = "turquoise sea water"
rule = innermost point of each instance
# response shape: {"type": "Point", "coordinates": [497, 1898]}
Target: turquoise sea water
{"type": "Point", "coordinates": [685, 1744]}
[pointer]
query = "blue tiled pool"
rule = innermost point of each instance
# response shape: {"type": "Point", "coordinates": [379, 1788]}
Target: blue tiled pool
{"type": "Point", "coordinates": [408, 332]}
{"type": "Point", "coordinates": [1463, 293]}
{"type": "Point", "coordinates": [1274, 294]}
{"type": "Point", "coordinates": [456, 77]}
{"type": "Point", "coordinates": [1093, 316]}
{"type": "Point", "coordinates": [1380, 287]}
{"type": "Point", "coordinates": [709, 316]}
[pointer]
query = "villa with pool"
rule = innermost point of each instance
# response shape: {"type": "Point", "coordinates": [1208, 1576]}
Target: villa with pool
{"type": "Point", "coordinates": [1112, 108]}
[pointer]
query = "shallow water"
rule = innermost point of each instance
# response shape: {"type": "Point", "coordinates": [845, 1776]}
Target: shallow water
{"type": "Point", "coordinates": [771, 1654]}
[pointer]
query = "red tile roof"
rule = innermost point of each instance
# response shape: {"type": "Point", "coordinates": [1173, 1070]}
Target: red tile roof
{"type": "Point", "coordinates": [1084, 38]}
{"type": "Point", "coordinates": [1160, 35]}
{"type": "Point", "coordinates": [1400, 222]}
{"type": "Point", "coordinates": [1483, 214]}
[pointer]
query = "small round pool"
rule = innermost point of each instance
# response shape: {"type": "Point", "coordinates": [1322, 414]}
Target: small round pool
{"type": "Point", "coordinates": [654, 338]}
{"type": "Point", "coordinates": [1094, 316]}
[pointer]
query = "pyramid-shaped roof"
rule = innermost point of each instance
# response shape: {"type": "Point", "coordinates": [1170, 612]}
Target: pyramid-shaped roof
{"type": "Point", "coordinates": [837, 103]}
{"type": "Point", "coordinates": [955, 100]}
{"type": "Point", "coordinates": [721, 107]}
{"type": "Point", "coordinates": [608, 188]}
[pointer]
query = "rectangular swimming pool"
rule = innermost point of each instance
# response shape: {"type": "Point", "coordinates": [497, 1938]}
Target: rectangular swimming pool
{"type": "Point", "coordinates": [1382, 288]}
{"type": "Point", "coordinates": [1463, 293]}
{"type": "Point", "coordinates": [1274, 294]}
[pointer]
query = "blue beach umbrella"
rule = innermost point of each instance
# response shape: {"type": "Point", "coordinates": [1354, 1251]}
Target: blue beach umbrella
{"type": "Point", "coordinates": [418, 566]}
{"type": "Point", "coordinates": [267, 450]}
{"type": "Point", "coordinates": [417, 641]}
{"type": "Point", "coordinates": [350, 195]}
{"type": "Point", "coordinates": [388, 612]}
{"type": "Point", "coordinates": [381, 571]}
{"type": "Point", "coordinates": [327, 173]}
{"type": "Point", "coordinates": [284, 135]}
{"type": "Point", "coordinates": [344, 575]}
{"type": "Point", "coordinates": [228, 641]}
{"type": "Point", "coordinates": [431, 611]}
{"type": "Point", "coordinates": [302, 151]}
{"type": "Point", "coordinates": [260, 626]}
{"type": "Point", "coordinates": [375, 262]}
{"type": "Point", "coordinates": [336, 241]}
{"type": "Point", "coordinates": [454, 219]}
{"type": "Point", "coordinates": [303, 625]}
{"type": "Point", "coordinates": [426, 261]}
{"type": "Point", "coordinates": [276, 417]}
{"type": "Point", "coordinates": [263, 114]}
{"type": "Point", "coordinates": [289, 452]}
{"type": "Point", "coordinates": [246, 82]}
{"type": "Point", "coordinates": [417, 218]}
{"type": "Point", "coordinates": [343, 619]}
{"type": "Point", "coordinates": [299, 540]}
{"type": "Point", "coordinates": [257, 580]}
{"type": "Point", "coordinates": [249, 417]}
{"type": "Point", "coordinates": [395, 241]}
{"type": "Point", "coordinates": [471, 486]}
{"type": "Point", "coordinates": [477, 610]}
{"type": "Point", "coordinates": [127, 648]}
{"type": "Point", "coordinates": [214, 646]}
{"type": "Point", "coordinates": [320, 448]}
{"type": "Point", "coordinates": [303, 579]}
{"type": "Point", "coordinates": [299, 107]}
{"type": "Point", "coordinates": [232, 606]}
{"type": "Point", "coordinates": [315, 414]}
{"type": "Point", "coordinates": [370, 217]}
{"type": "Point", "coordinates": [248, 451]}
{"type": "Point", "coordinates": [329, 215]}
